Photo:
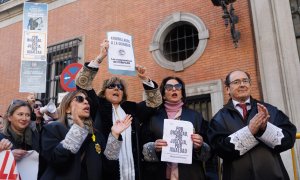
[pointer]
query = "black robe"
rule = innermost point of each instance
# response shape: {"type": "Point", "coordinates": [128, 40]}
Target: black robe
{"type": "Point", "coordinates": [58, 163]}
{"type": "Point", "coordinates": [153, 130]}
{"type": "Point", "coordinates": [259, 163]}
{"type": "Point", "coordinates": [101, 113]}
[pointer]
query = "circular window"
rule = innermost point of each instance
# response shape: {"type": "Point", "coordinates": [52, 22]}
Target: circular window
{"type": "Point", "coordinates": [179, 41]}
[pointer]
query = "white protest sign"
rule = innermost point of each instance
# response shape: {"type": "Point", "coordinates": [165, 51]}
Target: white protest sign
{"type": "Point", "coordinates": [120, 54]}
{"type": "Point", "coordinates": [8, 168]}
{"type": "Point", "coordinates": [28, 166]}
{"type": "Point", "coordinates": [180, 146]}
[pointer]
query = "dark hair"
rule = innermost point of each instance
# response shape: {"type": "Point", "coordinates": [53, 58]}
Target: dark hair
{"type": "Point", "coordinates": [14, 105]}
{"type": "Point", "coordinates": [227, 79]}
{"type": "Point", "coordinates": [36, 99]}
{"type": "Point", "coordinates": [164, 82]}
{"type": "Point", "coordinates": [108, 82]}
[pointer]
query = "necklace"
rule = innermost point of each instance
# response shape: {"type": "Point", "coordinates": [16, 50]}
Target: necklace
{"type": "Point", "coordinates": [97, 145]}
{"type": "Point", "coordinates": [93, 137]}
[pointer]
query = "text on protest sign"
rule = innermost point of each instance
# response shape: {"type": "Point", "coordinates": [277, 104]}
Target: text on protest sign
{"type": "Point", "coordinates": [178, 136]}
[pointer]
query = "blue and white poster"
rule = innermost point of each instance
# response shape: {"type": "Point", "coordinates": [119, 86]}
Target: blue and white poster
{"type": "Point", "coordinates": [120, 54]}
{"type": "Point", "coordinates": [34, 48]}
{"type": "Point", "coordinates": [35, 22]}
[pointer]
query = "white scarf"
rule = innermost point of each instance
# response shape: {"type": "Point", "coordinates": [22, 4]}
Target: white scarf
{"type": "Point", "coordinates": [125, 157]}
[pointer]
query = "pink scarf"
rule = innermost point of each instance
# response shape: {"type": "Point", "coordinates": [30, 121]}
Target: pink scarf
{"type": "Point", "coordinates": [172, 111]}
{"type": "Point", "coordinates": [172, 108]}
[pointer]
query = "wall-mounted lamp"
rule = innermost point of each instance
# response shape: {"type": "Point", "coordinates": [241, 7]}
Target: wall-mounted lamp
{"type": "Point", "coordinates": [229, 18]}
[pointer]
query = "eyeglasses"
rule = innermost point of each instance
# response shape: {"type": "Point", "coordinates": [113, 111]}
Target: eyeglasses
{"type": "Point", "coordinates": [238, 82]}
{"type": "Point", "coordinates": [170, 87]}
{"type": "Point", "coordinates": [35, 106]}
{"type": "Point", "coordinates": [119, 86]}
{"type": "Point", "coordinates": [80, 99]}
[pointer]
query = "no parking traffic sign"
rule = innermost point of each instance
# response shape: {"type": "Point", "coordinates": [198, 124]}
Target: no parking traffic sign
{"type": "Point", "coordinates": [67, 77]}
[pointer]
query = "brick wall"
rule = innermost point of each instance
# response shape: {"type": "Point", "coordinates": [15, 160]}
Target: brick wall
{"type": "Point", "coordinates": [93, 18]}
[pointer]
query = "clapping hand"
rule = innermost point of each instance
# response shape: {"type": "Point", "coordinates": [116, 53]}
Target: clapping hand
{"type": "Point", "coordinates": [260, 120]}
{"type": "Point", "coordinates": [120, 126]}
{"type": "Point", "coordinates": [264, 110]}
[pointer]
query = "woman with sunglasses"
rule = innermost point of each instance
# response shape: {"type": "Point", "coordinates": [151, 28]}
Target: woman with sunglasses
{"type": "Point", "coordinates": [72, 148]}
{"type": "Point", "coordinates": [123, 160]}
{"type": "Point", "coordinates": [39, 121]}
{"type": "Point", "coordinates": [173, 107]}
{"type": "Point", "coordinates": [16, 129]}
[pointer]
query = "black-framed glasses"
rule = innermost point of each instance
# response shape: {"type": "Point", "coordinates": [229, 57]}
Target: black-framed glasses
{"type": "Point", "coordinates": [35, 106]}
{"type": "Point", "coordinates": [238, 82]}
{"type": "Point", "coordinates": [119, 86]}
{"type": "Point", "coordinates": [80, 99]}
{"type": "Point", "coordinates": [170, 87]}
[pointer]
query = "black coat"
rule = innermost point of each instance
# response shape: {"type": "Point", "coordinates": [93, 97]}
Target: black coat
{"type": "Point", "coordinates": [259, 163]}
{"type": "Point", "coordinates": [101, 111]}
{"type": "Point", "coordinates": [58, 163]}
{"type": "Point", "coordinates": [154, 130]}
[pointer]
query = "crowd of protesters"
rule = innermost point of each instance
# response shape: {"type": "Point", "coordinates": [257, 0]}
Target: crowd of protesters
{"type": "Point", "coordinates": [105, 136]}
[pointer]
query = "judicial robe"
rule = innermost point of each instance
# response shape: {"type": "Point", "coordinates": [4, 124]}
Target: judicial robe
{"type": "Point", "coordinates": [260, 162]}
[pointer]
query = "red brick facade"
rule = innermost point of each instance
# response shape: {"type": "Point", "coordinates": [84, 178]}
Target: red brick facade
{"type": "Point", "coordinates": [91, 19]}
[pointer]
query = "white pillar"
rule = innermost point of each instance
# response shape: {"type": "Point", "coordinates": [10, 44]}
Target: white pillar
{"type": "Point", "coordinates": [278, 61]}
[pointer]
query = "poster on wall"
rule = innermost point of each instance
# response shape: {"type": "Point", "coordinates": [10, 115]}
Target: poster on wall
{"type": "Point", "coordinates": [35, 23]}
{"type": "Point", "coordinates": [120, 54]}
{"type": "Point", "coordinates": [34, 48]}
{"type": "Point", "coordinates": [178, 134]}
{"type": "Point", "coordinates": [33, 76]}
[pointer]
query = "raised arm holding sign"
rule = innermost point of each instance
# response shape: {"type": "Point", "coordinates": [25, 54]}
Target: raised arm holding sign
{"type": "Point", "coordinates": [110, 107]}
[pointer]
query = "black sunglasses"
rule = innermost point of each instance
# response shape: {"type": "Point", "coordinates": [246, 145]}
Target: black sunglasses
{"type": "Point", "coordinates": [170, 87]}
{"type": "Point", "coordinates": [35, 106]}
{"type": "Point", "coordinates": [119, 86]}
{"type": "Point", "coordinates": [80, 99]}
